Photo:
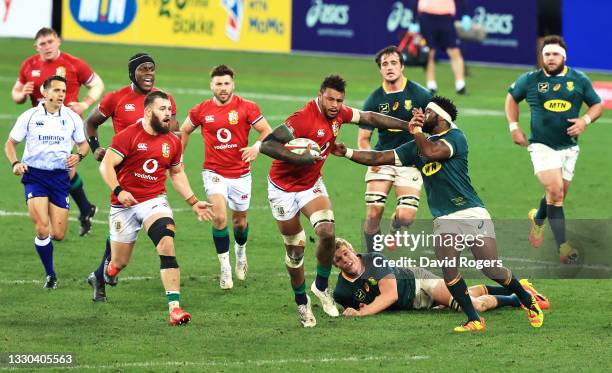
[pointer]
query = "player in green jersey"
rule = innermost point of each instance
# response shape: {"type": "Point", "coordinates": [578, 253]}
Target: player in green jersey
{"type": "Point", "coordinates": [555, 94]}
{"type": "Point", "coordinates": [457, 210]}
{"type": "Point", "coordinates": [395, 97]}
{"type": "Point", "coordinates": [369, 284]}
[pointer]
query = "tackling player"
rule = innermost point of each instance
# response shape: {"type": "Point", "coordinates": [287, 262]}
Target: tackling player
{"type": "Point", "coordinates": [49, 130]}
{"type": "Point", "coordinates": [367, 286]}
{"type": "Point", "coordinates": [125, 107]}
{"type": "Point", "coordinates": [395, 97]}
{"type": "Point", "coordinates": [295, 185]}
{"type": "Point", "coordinates": [225, 121]}
{"type": "Point", "coordinates": [555, 94]}
{"type": "Point", "coordinates": [457, 209]}
{"type": "Point", "coordinates": [135, 171]}
{"type": "Point", "coordinates": [34, 71]}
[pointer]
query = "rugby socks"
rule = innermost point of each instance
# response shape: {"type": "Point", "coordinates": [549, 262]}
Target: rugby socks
{"type": "Point", "coordinates": [221, 239]}
{"type": "Point", "coordinates": [459, 85]}
{"type": "Point", "coordinates": [99, 272]}
{"type": "Point", "coordinates": [433, 87]}
{"type": "Point", "coordinates": [515, 287]}
{"type": "Point", "coordinates": [321, 281]}
{"type": "Point", "coordinates": [240, 236]}
{"type": "Point", "coordinates": [44, 248]}
{"type": "Point", "coordinates": [111, 270]}
{"type": "Point", "coordinates": [300, 294]}
{"type": "Point", "coordinates": [540, 215]}
{"type": "Point", "coordinates": [459, 291]}
{"type": "Point", "coordinates": [556, 218]}
{"type": "Point", "coordinates": [369, 240]}
{"type": "Point", "coordinates": [507, 300]}
{"type": "Point", "coordinates": [497, 290]}
{"type": "Point", "coordinates": [173, 299]}
{"type": "Point", "coordinates": [78, 194]}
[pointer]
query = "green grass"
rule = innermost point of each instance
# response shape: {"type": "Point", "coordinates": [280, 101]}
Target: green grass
{"type": "Point", "coordinates": [254, 326]}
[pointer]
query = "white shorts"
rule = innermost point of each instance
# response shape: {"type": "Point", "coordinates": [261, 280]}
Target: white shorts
{"type": "Point", "coordinates": [126, 222]}
{"type": "Point", "coordinates": [474, 221]}
{"type": "Point", "coordinates": [400, 176]}
{"type": "Point", "coordinates": [237, 192]}
{"type": "Point", "coordinates": [425, 283]}
{"type": "Point", "coordinates": [285, 205]}
{"type": "Point", "coordinates": [545, 158]}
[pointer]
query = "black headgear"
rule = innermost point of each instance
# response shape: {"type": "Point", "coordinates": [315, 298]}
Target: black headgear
{"type": "Point", "coordinates": [135, 61]}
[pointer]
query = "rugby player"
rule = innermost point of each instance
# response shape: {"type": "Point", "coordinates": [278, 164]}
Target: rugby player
{"type": "Point", "coordinates": [226, 120]}
{"type": "Point", "coordinates": [135, 170]}
{"type": "Point", "coordinates": [395, 97]}
{"type": "Point", "coordinates": [555, 94]}
{"type": "Point", "coordinates": [295, 185]}
{"type": "Point", "coordinates": [453, 202]}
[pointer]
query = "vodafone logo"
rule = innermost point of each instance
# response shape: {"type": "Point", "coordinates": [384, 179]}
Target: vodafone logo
{"type": "Point", "coordinates": [224, 135]}
{"type": "Point", "coordinates": [150, 166]}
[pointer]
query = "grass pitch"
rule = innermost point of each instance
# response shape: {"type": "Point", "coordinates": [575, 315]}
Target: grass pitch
{"type": "Point", "coordinates": [254, 326]}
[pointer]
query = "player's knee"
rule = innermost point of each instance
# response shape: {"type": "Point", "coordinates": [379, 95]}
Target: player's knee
{"type": "Point", "coordinates": [405, 216]}
{"type": "Point", "coordinates": [298, 239]}
{"type": "Point", "coordinates": [326, 232]}
{"type": "Point", "coordinates": [42, 230]}
{"type": "Point", "coordinates": [322, 220]}
{"type": "Point", "coordinates": [294, 258]}
{"type": "Point", "coordinates": [375, 201]}
{"type": "Point", "coordinates": [167, 262]}
{"type": "Point", "coordinates": [166, 246]}
{"type": "Point", "coordinates": [58, 236]}
{"type": "Point", "coordinates": [554, 194]}
{"type": "Point", "coordinates": [239, 223]}
{"type": "Point", "coordinates": [162, 227]}
{"type": "Point", "coordinates": [220, 221]}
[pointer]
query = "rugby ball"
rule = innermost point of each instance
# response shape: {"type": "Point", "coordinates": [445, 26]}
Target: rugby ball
{"type": "Point", "coordinates": [299, 145]}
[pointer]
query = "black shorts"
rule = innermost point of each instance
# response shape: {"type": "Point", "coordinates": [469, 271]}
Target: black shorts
{"type": "Point", "coordinates": [439, 30]}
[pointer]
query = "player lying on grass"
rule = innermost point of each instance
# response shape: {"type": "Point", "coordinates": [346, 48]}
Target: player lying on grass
{"type": "Point", "coordinates": [367, 286]}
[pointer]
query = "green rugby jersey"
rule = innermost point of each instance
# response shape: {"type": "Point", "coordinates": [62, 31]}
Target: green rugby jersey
{"type": "Point", "coordinates": [349, 292]}
{"type": "Point", "coordinates": [553, 100]}
{"type": "Point", "coordinates": [399, 105]}
{"type": "Point", "coordinates": [447, 183]}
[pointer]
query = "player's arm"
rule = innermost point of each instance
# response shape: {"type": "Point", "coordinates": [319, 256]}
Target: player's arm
{"type": "Point", "coordinates": [180, 183]}
{"type": "Point", "coordinates": [365, 157]}
{"type": "Point", "coordinates": [364, 136]}
{"type": "Point", "coordinates": [186, 129]}
{"type": "Point", "coordinates": [93, 121]}
{"type": "Point", "coordinates": [111, 160]}
{"type": "Point", "coordinates": [579, 124]}
{"type": "Point", "coordinates": [388, 296]}
{"type": "Point", "coordinates": [74, 159]}
{"type": "Point", "coordinates": [512, 115]}
{"type": "Point", "coordinates": [274, 146]}
{"type": "Point", "coordinates": [20, 91]}
{"type": "Point", "coordinates": [378, 120]}
{"type": "Point", "coordinates": [249, 153]}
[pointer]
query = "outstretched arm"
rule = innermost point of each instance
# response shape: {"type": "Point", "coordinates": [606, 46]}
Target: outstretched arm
{"type": "Point", "coordinates": [381, 121]}
{"type": "Point", "coordinates": [274, 146]}
{"type": "Point", "coordinates": [366, 157]}
{"type": "Point", "coordinates": [388, 296]}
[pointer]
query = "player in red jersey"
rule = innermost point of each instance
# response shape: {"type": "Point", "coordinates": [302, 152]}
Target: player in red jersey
{"type": "Point", "coordinates": [225, 121]}
{"type": "Point", "coordinates": [49, 61]}
{"type": "Point", "coordinates": [295, 185]}
{"type": "Point", "coordinates": [125, 106]}
{"type": "Point", "coordinates": [135, 170]}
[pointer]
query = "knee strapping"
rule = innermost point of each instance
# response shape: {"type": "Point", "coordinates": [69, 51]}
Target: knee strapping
{"type": "Point", "coordinates": [296, 239]}
{"type": "Point", "coordinates": [162, 227]}
{"type": "Point", "coordinates": [167, 262]}
{"type": "Point", "coordinates": [408, 201]}
{"type": "Point", "coordinates": [321, 216]}
{"type": "Point", "coordinates": [294, 260]}
{"type": "Point", "coordinates": [375, 198]}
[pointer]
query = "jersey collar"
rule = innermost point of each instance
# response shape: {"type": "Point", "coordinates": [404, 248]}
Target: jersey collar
{"type": "Point", "coordinates": [400, 90]}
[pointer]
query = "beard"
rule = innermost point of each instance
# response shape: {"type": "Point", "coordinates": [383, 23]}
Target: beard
{"type": "Point", "coordinates": [556, 71]}
{"type": "Point", "coordinates": [428, 126]}
{"type": "Point", "coordinates": [158, 125]}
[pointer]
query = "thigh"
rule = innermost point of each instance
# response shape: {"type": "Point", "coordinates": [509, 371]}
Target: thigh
{"type": "Point", "coordinates": [121, 252]}
{"type": "Point", "coordinates": [219, 207]}
{"type": "Point", "coordinates": [239, 193]}
{"type": "Point", "coordinates": [214, 184]}
{"type": "Point", "coordinates": [283, 204]}
{"type": "Point", "coordinates": [290, 227]}
{"type": "Point", "coordinates": [570, 157]}
{"type": "Point", "coordinates": [124, 225]}
{"type": "Point", "coordinates": [551, 178]}
{"type": "Point", "coordinates": [317, 204]}
{"type": "Point", "coordinates": [408, 177]}
{"type": "Point", "coordinates": [38, 209]}
{"type": "Point", "coordinates": [59, 219]}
